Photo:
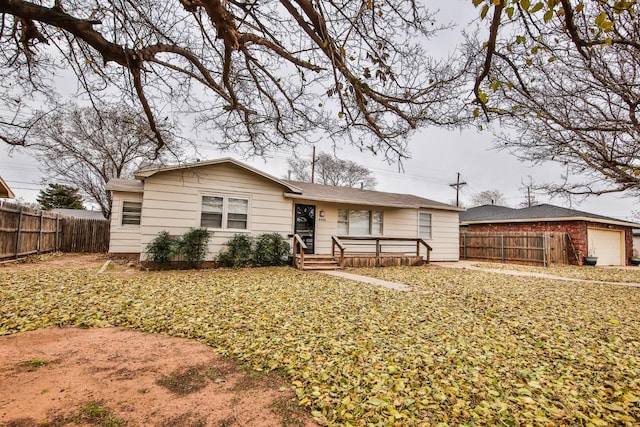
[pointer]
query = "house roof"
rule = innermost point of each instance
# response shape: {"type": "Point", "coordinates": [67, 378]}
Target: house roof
{"type": "Point", "coordinates": [295, 189]}
{"type": "Point", "coordinates": [5, 191]}
{"type": "Point", "coordinates": [79, 213]}
{"type": "Point", "coordinates": [127, 185]}
{"type": "Point", "coordinates": [356, 196]}
{"type": "Point", "coordinates": [148, 171]}
{"type": "Point", "coordinates": [546, 213]}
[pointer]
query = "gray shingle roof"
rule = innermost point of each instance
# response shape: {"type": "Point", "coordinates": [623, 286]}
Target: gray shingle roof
{"type": "Point", "coordinates": [79, 213]}
{"type": "Point", "coordinates": [545, 212]}
{"type": "Point", "coordinates": [485, 212]}
{"type": "Point", "coordinates": [348, 195]}
{"type": "Point", "coordinates": [296, 190]}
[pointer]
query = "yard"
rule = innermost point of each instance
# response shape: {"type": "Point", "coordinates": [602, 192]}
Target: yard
{"type": "Point", "coordinates": [466, 348]}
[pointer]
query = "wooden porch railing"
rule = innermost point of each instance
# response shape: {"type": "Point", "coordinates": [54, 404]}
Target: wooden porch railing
{"type": "Point", "coordinates": [337, 241]}
{"type": "Point", "coordinates": [298, 247]}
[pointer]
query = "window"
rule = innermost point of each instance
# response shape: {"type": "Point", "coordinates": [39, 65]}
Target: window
{"type": "Point", "coordinates": [238, 213]}
{"type": "Point", "coordinates": [376, 223]}
{"type": "Point", "coordinates": [233, 212]}
{"type": "Point", "coordinates": [211, 214]}
{"type": "Point", "coordinates": [424, 225]}
{"type": "Point", "coordinates": [131, 213]}
{"type": "Point", "coordinates": [343, 221]}
{"type": "Point", "coordinates": [359, 222]}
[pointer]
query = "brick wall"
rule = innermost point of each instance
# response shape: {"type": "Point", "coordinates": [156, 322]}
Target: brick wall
{"type": "Point", "coordinates": [577, 231]}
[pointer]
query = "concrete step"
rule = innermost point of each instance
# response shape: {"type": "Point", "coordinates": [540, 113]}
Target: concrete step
{"type": "Point", "coordinates": [320, 267]}
{"type": "Point", "coordinates": [319, 262]}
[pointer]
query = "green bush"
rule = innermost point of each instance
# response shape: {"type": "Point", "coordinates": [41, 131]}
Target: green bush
{"type": "Point", "coordinates": [270, 249]}
{"type": "Point", "coordinates": [192, 247]}
{"type": "Point", "coordinates": [161, 249]}
{"type": "Point", "coordinates": [238, 252]}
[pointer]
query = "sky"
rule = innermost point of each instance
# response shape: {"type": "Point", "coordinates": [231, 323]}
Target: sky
{"type": "Point", "coordinates": [437, 155]}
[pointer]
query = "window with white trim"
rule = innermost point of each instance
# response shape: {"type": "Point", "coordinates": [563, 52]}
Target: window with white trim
{"type": "Point", "coordinates": [224, 212]}
{"type": "Point", "coordinates": [359, 222]}
{"type": "Point", "coordinates": [238, 213]}
{"type": "Point", "coordinates": [131, 212]}
{"type": "Point", "coordinates": [424, 225]}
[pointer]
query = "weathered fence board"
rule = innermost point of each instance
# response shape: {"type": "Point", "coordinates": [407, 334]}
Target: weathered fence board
{"type": "Point", "coordinates": [526, 248]}
{"type": "Point", "coordinates": [25, 231]}
{"type": "Point", "coordinates": [84, 235]}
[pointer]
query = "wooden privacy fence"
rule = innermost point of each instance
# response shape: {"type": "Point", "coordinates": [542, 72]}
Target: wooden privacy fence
{"type": "Point", "coordinates": [526, 248]}
{"type": "Point", "coordinates": [25, 231]}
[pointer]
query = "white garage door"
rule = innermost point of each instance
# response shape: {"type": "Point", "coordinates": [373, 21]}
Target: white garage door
{"type": "Point", "coordinates": [608, 246]}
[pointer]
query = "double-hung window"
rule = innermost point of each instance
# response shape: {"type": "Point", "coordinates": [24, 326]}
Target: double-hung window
{"type": "Point", "coordinates": [131, 212]}
{"type": "Point", "coordinates": [237, 213]}
{"type": "Point", "coordinates": [424, 225]}
{"type": "Point", "coordinates": [224, 212]}
{"type": "Point", "coordinates": [359, 222]}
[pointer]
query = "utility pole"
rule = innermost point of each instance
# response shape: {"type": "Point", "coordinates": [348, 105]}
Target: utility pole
{"type": "Point", "coordinates": [457, 186]}
{"type": "Point", "coordinates": [313, 165]}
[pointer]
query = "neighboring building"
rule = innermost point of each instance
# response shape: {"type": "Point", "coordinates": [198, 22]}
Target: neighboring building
{"type": "Point", "coordinates": [5, 191]}
{"type": "Point", "coordinates": [636, 242]}
{"type": "Point", "coordinates": [229, 197]}
{"type": "Point", "coordinates": [610, 239]}
{"type": "Point", "coordinates": [79, 213]}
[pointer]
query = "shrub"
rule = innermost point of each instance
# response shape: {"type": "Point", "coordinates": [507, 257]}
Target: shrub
{"type": "Point", "coordinates": [270, 249]}
{"type": "Point", "coordinates": [238, 252]}
{"type": "Point", "coordinates": [192, 247]}
{"type": "Point", "coordinates": [161, 249]}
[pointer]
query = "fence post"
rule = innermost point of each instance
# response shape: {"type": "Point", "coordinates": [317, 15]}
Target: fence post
{"type": "Point", "coordinates": [57, 243]}
{"type": "Point", "coordinates": [544, 249]}
{"type": "Point", "coordinates": [18, 232]}
{"type": "Point", "coordinates": [38, 249]}
{"type": "Point", "coordinates": [502, 247]}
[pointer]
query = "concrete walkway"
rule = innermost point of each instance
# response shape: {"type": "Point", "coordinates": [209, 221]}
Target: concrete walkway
{"type": "Point", "coordinates": [371, 280]}
{"type": "Point", "coordinates": [473, 265]}
{"type": "Point", "coordinates": [465, 265]}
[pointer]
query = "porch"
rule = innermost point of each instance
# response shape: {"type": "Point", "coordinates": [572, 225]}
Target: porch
{"type": "Point", "coordinates": [356, 251]}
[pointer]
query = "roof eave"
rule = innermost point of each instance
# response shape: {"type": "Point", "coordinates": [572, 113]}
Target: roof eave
{"type": "Point", "coordinates": [6, 189]}
{"type": "Point", "coordinates": [559, 219]}
{"type": "Point", "coordinates": [387, 205]}
{"type": "Point", "coordinates": [124, 188]}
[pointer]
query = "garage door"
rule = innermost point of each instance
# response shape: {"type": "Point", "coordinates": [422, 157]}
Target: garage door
{"type": "Point", "coordinates": [607, 245]}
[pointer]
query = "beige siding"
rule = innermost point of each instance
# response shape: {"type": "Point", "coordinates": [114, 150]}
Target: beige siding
{"type": "Point", "coordinates": [396, 223]}
{"type": "Point", "coordinates": [445, 235]}
{"type": "Point", "coordinates": [123, 238]}
{"type": "Point", "coordinates": [172, 202]}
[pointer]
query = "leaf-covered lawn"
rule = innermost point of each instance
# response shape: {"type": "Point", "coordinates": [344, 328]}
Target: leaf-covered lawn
{"type": "Point", "coordinates": [585, 272]}
{"type": "Point", "coordinates": [471, 348]}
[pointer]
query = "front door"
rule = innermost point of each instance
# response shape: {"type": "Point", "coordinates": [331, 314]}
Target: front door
{"type": "Point", "coordinates": [306, 225]}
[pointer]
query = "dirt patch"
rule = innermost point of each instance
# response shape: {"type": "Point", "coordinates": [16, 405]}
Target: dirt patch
{"type": "Point", "coordinates": [68, 376]}
{"type": "Point", "coordinates": [56, 260]}
{"type": "Point", "coordinates": [58, 377]}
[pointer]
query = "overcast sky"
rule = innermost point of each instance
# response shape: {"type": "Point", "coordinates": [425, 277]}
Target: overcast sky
{"type": "Point", "coordinates": [437, 156]}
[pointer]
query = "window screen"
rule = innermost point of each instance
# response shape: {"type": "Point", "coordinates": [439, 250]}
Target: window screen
{"type": "Point", "coordinates": [131, 213]}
